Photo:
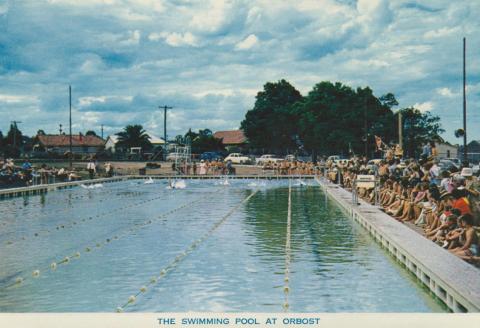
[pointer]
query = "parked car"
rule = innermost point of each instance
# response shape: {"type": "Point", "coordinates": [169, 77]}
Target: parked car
{"type": "Point", "coordinates": [237, 158]}
{"type": "Point", "coordinates": [172, 157]}
{"type": "Point", "coordinates": [211, 156]}
{"type": "Point", "coordinates": [267, 158]}
{"type": "Point", "coordinates": [476, 169]}
{"type": "Point", "coordinates": [455, 161]}
{"type": "Point", "coordinates": [446, 164]}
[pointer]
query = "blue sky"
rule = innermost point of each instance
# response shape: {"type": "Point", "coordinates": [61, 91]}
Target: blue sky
{"type": "Point", "coordinates": [208, 59]}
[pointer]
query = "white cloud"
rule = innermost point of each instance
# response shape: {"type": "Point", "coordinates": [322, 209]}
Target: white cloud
{"type": "Point", "coordinates": [3, 8]}
{"type": "Point", "coordinates": [424, 107]}
{"type": "Point", "coordinates": [11, 99]}
{"type": "Point", "coordinates": [211, 18]}
{"type": "Point", "coordinates": [247, 43]}
{"type": "Point", "coordinates": [150, 5]}
{"type": "Point", "coordinates": [132, 38]}
{"type": "Point", "coordinates": [446, 92]}
{"type": "Point", "coordinates": [442, 32]}
{"type": "Point", "coordinates": [89, 100]}
{"type": "Point", "coordinates": [175, 39]}
{"type": "Point", "coordinates": [142, 50]}
{"type": "Point", "coordinates": [474, 88]}
{"type": "Point", "coordinates": [81, 3]}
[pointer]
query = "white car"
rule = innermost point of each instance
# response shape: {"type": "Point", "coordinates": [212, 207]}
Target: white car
{"type": "Point", "coordinates": [237, 158]}
{"type": "Point", "coordinates": [476, 169]}
{"type": "Point", "coordinates": [455, 161]}
{"type": "Point", "coordinates": [267, 158]}
{"type": "Point", "coordinates": [172, 157]}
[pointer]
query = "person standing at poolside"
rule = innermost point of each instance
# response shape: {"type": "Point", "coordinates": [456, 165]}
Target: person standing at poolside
{"type": "Point", "coordinates": [426, 150]}
{"type": "Point", "coordinates": [433, 150]}
{"type": "Point", "coordinates": [91, 168]}
{"type": "Point", "coordinates": [108, 169]}
{"type": "Point", "coordinates": [194, 168]}
{"type": "Point", "coordinates": [203, 167]}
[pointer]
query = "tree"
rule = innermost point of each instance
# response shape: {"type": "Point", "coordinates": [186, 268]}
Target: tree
{"type": "Point", "coordinates": [91, 133]}
{"type": "Point", "coordinates": [270, 125]}
{"type": "Point", "coordinates": [191, 135]}
{"type": "Point", "coordinates": [388, 100]}
{"type": "Point", "coordinates": [203, 141]}
{"type": "Point", "coordinates": [179, 139]}
{"type": "Point", "coordinates": [334, 119]}
{"type": "Point", "coordinates": [40, 132]}
{"type": "Point", "coordinates": [418, 129]}
{"type": "Point", "coordinates": [14, 141]}
{"type": "Point", "coordinates": [133, 136]}
{"type": "Point", "coordinates": [2, 144]}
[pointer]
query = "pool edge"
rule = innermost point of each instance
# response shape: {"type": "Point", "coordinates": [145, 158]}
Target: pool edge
{"type": "Point", "coordinates": [419, 255]}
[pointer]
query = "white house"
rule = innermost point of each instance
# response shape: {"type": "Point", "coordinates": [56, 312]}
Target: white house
{"type": "Point", "coordinates": [113, 140]}
{"type": "Point", "coordinates": [446, 150]}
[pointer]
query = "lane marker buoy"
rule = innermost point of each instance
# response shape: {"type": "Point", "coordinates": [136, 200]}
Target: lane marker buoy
{"type": "Point", "coordinates": [182, 255]}
{"type": "Point", "coordinates": [66, 260]}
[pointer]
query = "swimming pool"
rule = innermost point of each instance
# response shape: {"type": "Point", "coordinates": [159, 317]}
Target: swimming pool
{"type": "Point", "coordinates": [137, 247]}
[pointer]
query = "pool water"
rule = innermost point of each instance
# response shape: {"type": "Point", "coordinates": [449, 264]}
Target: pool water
{"type": "Point", "coordinates": [210, 247]}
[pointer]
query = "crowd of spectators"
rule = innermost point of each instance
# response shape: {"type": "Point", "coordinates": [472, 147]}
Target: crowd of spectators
{"type": "Point", "coordinates": [293, 167]}
{"type": "Point", "coordinates": [204, 167]}
{"type": "Point", "coordinates": [26, 174]}
{"type": "Point", "coordinates": [444, 204]}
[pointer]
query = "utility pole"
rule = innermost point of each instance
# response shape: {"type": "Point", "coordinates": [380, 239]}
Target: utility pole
{"type": "Point", "coordinates": [366, 133]}
{"type": "Point", "coordinates": [400, 129]}
{"type": "Point", "coordinates": [102, 131]}
{"type": "Point", "coordinates": [14, 124]}
{"type": "Point", "coordinates": [465, 159]}
{"type": "Point", "coordinates": [165, 127]}
{"type": "Point", "coordinates": [70, 121]}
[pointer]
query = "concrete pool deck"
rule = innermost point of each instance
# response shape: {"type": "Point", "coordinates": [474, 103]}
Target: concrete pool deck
{"type": "Point", "coordinates": [455, 282]}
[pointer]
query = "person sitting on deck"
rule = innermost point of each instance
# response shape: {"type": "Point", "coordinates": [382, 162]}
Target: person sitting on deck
{"type": "Point", "coordinates": [470, 247]}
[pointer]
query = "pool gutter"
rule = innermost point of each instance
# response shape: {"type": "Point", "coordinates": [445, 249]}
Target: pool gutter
{"type": "Point", "coordinates": [455, 282]}
{"type": "Point", "coordinates": [43, 188]}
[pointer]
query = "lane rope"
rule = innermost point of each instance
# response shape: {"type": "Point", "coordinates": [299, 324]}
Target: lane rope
{"type": "Point", "coordinates": [171, 266]}
{"type": "Point", "coordinates": [104, 194]}
{"type": "Point", "coordinates": [99, 244]}
{"type": "Point", "coordinates": [77, 222]}
{"type": "Point", "coordinates": [286, 287]}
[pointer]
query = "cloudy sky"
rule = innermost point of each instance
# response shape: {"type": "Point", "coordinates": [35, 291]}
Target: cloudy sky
{"type": "Point", "coordinates": [208, 59]}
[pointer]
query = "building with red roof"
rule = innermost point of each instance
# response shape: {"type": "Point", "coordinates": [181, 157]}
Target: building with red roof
{"type": "Point", "coordinates": [232, 139]}
{"type": "Point", "coordinates": [60, 143]}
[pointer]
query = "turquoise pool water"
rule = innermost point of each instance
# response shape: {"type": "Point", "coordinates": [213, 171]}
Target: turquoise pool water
{"type": "Point", "coordinates": [221, 252]}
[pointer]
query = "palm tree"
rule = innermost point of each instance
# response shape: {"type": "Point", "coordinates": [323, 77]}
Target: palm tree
{"type": "Point", "coordinates": [133, 136]}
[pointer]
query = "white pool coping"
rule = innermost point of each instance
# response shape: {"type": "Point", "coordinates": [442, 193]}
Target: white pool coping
{"type": "Point", "coordinates": [454, 281]}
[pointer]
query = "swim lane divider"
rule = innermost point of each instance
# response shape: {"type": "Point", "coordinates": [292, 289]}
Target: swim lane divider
{"type": "Point", "coordinates": [99, 244]}
{"type": "Point", "coordinates": [171, 266]}
{"type": "Point", "coordinates": [286, 288]}
{"type": "Point", "coordinates": [77, 222]}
